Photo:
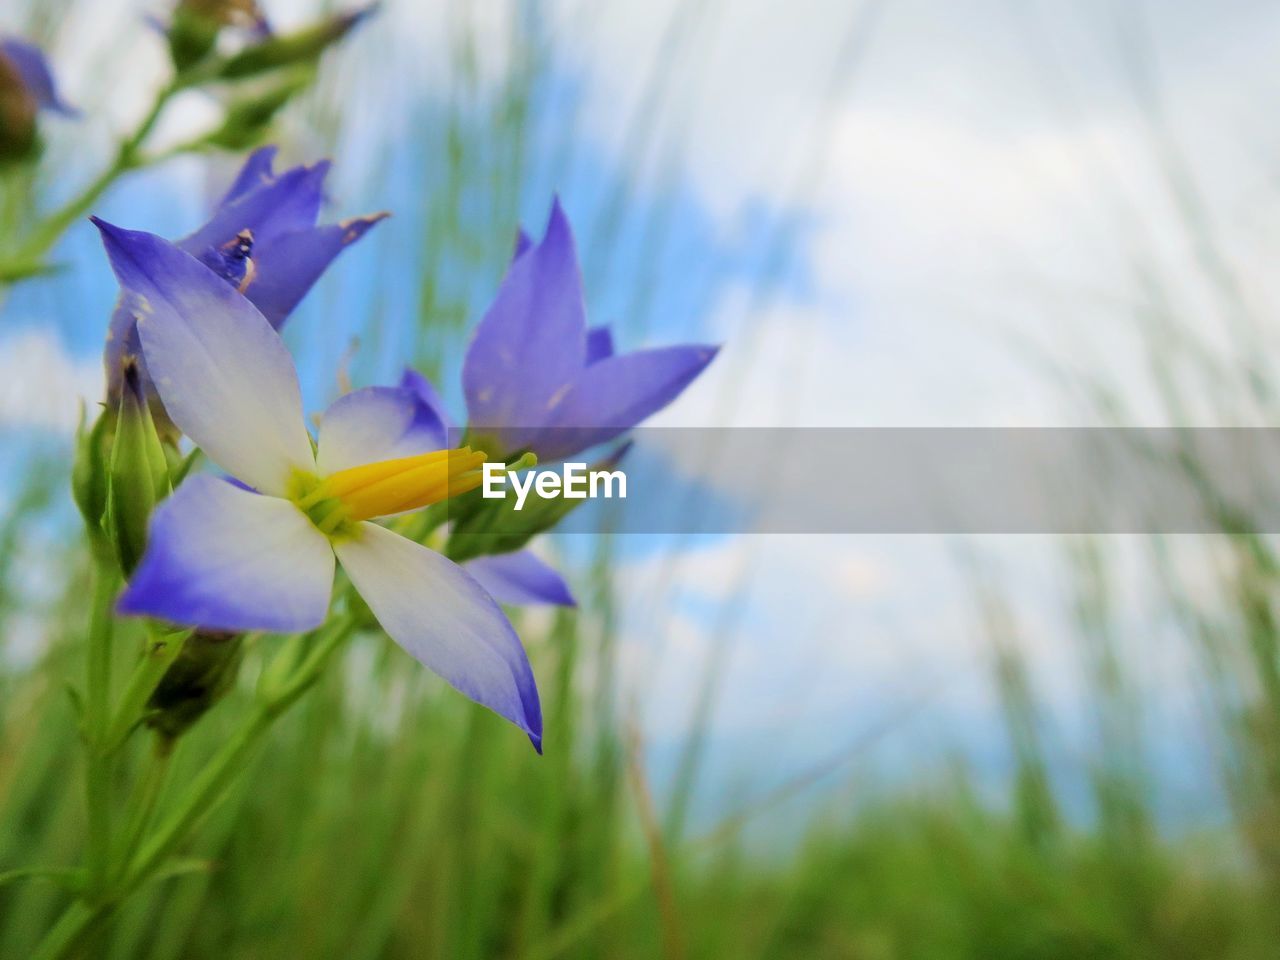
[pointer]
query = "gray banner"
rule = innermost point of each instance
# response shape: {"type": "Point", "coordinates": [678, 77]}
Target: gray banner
{"type": "Point", "coordinates": [1031, 480]}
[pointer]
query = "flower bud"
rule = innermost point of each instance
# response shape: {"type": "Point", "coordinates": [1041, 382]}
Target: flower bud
{"type": "Point", "coordinates": [139, 473]}
{"type": "Point", "coordinates": [193, 31]}
{"type": "Point", "coordinates": [17, 114]}
{"type": "Point", "coordinates": [202, 675]}
{"type": "Point", "coordinates": [300, 47]}
{"type": "Point", "coordinates": [89, 476]}
{"type": "Point", "coordinates": [26, 87]}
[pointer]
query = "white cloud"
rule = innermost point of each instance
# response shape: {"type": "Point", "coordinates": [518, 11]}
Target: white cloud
{"type": "Point", "coordinates": [43, 386]}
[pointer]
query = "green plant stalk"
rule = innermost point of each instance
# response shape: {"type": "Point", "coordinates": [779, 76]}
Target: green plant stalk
{"type": "Point", "coordinates": [143, 802]}
{"type": "Point", "coordinates": [28, 259]}
{"type": "Point", "coordinates": [127, 158]}
{"type": "Point", "coordinates": [97, 699]}
{"type": "Point", "coordinates": [204, 792]}
{"type": "Point", "coordinates": [211, 784]}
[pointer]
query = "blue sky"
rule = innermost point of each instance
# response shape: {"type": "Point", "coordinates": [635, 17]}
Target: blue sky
{"type": "Point", "coordinates": [979, 188]}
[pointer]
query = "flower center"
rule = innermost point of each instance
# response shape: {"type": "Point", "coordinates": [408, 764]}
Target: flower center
{"type": "Point", "coordinates": [387, 487]}
{"type": "Point", "coordinates": [233, 261]}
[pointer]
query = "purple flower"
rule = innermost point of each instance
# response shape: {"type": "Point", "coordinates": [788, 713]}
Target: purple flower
{"type": "Point", "coordinates": [220, 557]}
{"type": "Point", "coordinates": [33, 71]}
{"type": "Point", "coordinates": [537, 378]}
{"type": "Point", "coordinates": [26, 88]}
{"type": "Point", "coordinates": [263, 240]}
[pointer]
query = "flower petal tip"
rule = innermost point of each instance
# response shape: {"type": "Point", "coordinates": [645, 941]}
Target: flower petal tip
{"type": "Point", "coordinates": [522, 245]}
{"type": "Point", "coordinates": [558, 227]}
{"type": "Point", "coordinates": [353, 228]}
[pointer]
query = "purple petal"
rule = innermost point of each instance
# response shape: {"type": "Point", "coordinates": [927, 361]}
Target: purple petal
{"type": "Point", "coordinates": [286, 266]}
{"type": "Point", "coordinates": [376, 423]}
{"type": "Point", "coordinates": [614, 395]}
{"type": "Point", "coordinates": [427, 395]}
{"type": "Point", "coordinates": [520, 579]}
{"type": "Point", "coordinates": [444, 619]}
{"type": "Point", "coordinates": [33, 67]}
{"type": "Point", "coordinates": [531, 343]}
{"type": "Point", "coordinates": [286, 204]}
{"type": "Point", "coordinates": [599, 344]}
{"type": "Point", "coordinates": [256, 172]}
{"type": "Point", "coordinates": [224, 376]}
{"type": "Point", "coordinates": [224, 559]}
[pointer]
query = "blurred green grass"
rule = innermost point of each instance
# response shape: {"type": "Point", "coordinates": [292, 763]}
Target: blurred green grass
{"type": "Point", "coordinates": [387, 818]}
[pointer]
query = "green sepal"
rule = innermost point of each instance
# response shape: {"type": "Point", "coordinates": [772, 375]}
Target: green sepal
{"type": "Point", "coordinates": [180, 466]}
{"type": "Point", "coordinates": [138, 476]}
{"type": "Point", "coordinates": [90, 478]}
{"type": "Point", "coordinates": [203, 673]}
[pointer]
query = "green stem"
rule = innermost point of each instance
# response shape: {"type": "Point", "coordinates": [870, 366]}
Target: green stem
{"type": "Point", "coordinates": [29, 257]}
{"type": "Point", "coordinates": [143, 802]}
{"type": "Point", "coordinates": [97, 699]}
{"type": "Point", "coordinates": [203, 793]}
{"type": "Point", "coordinates": [213, 780]}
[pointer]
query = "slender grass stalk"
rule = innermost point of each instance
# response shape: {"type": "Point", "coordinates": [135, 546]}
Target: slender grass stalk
{"type": "Point", "coordinates": [97, 700]}
{"type": "Point", "coordinates": [72, 929]}
{"type": "Point", "coordinates": [146, 794]}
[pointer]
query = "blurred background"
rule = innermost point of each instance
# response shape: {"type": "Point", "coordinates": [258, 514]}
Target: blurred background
{"type": "Point", "coordinates": [891, 213]}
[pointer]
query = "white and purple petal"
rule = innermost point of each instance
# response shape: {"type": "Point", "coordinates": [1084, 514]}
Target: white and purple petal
{"type": "Point", "coordinates": [376, 423]}
{"type": "Point", "coordinates": [531, 343]}
{"type": "Point", "coordinates": [225, 377]}
{"type": "Point", "coordinates": [427, 395]}
{"type": "Point", "coordinates": [520, 579]}
{"type": "Point", "coordinates": [445, 620]}
{"type": "Point", "coordinates": [222, 558]}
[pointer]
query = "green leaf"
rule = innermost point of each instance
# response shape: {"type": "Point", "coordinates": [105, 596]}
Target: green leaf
{"type": "Point", "coordinates": [71, 879]}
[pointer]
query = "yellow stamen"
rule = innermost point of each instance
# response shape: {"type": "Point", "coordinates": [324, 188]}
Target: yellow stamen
{"type": "Point", "coordinates": [396, 486]}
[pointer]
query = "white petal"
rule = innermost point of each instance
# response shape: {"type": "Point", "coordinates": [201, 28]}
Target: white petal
{"type": "Point", "coordinates": [445, 620]}
{"type": "Point", "coordinates": [376, 423]}
{"type": "Point", "coordinates": [225, 377]}
{"type": "Point", "coordinates": [227, 559]}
